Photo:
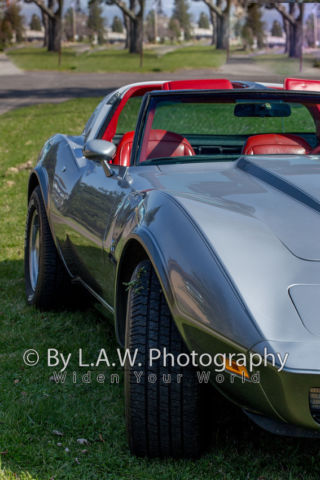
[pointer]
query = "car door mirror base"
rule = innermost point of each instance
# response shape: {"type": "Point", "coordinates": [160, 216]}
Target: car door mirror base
{"type": "Point", "coordinates": [107, 168]}
{"type": "Point", "coordinates": [102, 150]}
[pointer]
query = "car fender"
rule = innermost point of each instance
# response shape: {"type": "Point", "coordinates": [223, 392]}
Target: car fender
{"type": "Point", "coordinates": [198, 290]}
{"type": "Point", "coordinates": [39, 175]}
{"type": "Point", "coordinates": [43, 175]}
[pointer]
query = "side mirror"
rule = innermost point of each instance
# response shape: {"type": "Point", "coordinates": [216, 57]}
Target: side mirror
{"type": "Point", "coordinates": [100, 150]}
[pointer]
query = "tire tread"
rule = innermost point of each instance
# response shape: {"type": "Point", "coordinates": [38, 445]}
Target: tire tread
{"type": "Point", "coordinates": [163, 419]}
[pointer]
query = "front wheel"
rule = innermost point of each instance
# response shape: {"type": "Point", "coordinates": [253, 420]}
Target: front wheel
{"type": "Point", "coordinates": [45, 276]}
{"type": "Point", "coordinates": [163, 418]}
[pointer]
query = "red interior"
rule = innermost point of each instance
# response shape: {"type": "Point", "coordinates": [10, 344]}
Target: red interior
{"type": "Point", "coordinates": [300, 84]}
{"type": "Point", "coordinates": [272, 144]}
{"type": "Point", "coordinates": [207, 84]}
{"type": "Point", "coordinates": [140, 90]}
{"type": "Point", "coordinates": [123, 153]}
{"type": "Point", "coordinates": [166, 144]}
{"type": "Point", "coordinates": [161, 144]}
{"type": "Point", "coordinates": [136, 91]}
{"type": "Point", "coordinates": [306, 85]}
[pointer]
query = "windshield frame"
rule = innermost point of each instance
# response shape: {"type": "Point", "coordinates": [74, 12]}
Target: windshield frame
{"type": "Point", "coordinates": [220, 95]}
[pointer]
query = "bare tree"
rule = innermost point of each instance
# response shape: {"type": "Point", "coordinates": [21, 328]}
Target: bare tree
{"type": "Point", "coordinates": [134, 12]}
{"type": "Point", "coordinates": [220, 10]}
{"type": "Point", "coordinates": [293, 26]}
{"type": "Point", "coordinates": [52, 19]}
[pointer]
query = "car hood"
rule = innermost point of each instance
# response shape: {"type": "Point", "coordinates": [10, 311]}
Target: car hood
{"type": "Point", "coordinates": [261, 216]}
{"type": "Point", "coordinates": [282, 193]}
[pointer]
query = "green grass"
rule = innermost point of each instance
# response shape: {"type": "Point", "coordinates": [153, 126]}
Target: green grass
{"type": "Point", "coordinates": [117, 60]}
{"type": "Point", "coordinates": [281, 64]}
{"type": "Point", "coordinates": [219, 119]}
{"type": "Point", "coordinates": [31, 406]}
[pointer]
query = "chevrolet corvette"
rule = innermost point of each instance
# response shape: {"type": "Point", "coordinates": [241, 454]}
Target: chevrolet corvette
{"type": "Point", "coordinates": [189, 210]}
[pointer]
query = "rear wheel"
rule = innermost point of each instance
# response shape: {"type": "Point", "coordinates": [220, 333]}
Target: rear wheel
{"type": "Point", "coordinates": [45, 276]}
{"type": "Point", "coordinates": [163, 419]}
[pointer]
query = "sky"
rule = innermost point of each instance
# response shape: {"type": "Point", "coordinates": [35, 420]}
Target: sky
{"type": "Point", "coordinates": [110, 11]}
{"type": "Point", "coordinates": [196, 7]}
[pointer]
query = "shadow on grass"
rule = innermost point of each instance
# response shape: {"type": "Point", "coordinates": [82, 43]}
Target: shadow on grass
{"type": "Point", "coordinates": [50, 93]}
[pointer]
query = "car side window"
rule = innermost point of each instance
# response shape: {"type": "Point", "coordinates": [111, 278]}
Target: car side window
{"type": "Point", "coordinates": [128, 117]}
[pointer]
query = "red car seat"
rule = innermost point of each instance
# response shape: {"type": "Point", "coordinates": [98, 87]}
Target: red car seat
{"type": "Point", "coordinates": [161, 144]}
{"type": "Point", "coordinates": [272, 144]}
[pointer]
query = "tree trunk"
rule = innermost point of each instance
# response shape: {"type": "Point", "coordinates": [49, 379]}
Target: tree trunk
{"type": "Point", "coordinates": [54, 34]}
{"type": "Point", "coordinates": [286, 27]}
{"type": "Point", "coordinates": [222, 22]}
{"type": "Point", "coordinates": [45, 23]}
{"type": "Point", "coordinates": [294, 30]}
{"type": "Point", "coordinates": [50, 34]}
{"type": "Point", "coordinates": [131, 26]}
{"type": "Point", "coordinates": [136, 35]}
{"type": "Point", "coordinates": [126, 21]}
{"type": "Point", "coordinates": [296, 35]}
{"type": "Point", "coordinates": [57, 33]}
{"type": "Point", "coordinates": [214, 27]}
{"type": "Point", "coordinates": [295, 40]}
{"type": "Point", "coordinates": [219, 36]}
{"type": "Point", "coordinates": [222, 37]}
{"type": "Point", "coordinates": [134, 24]}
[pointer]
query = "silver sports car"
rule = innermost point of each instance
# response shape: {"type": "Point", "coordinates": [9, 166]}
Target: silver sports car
{"type": "Point", "coordinates": [190, 211]}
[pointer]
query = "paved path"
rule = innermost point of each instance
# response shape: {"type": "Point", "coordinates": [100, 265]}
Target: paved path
{"type": "Point", "coordinates": [28, 88]}
{"type": "Point", "coordinates": [245, 67]}
{"type": "Point", "coordinates": [7, 67]}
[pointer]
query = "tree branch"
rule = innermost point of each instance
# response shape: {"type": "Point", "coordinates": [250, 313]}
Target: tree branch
{"type": "Point", "coordinates": [119, 3]}
{"type": "Point", "coordinates": [283, 12]}
{"type": "Point", "coordinates": [227, 7]}
{"type": "Point", "coordinates": [213, 8]}
{"type": "Point", "coordinates": [42, 7]}
{"type": "Point", "coordinates": [60, 8]}
{"type": "Point", "coordinates": [142, 5]}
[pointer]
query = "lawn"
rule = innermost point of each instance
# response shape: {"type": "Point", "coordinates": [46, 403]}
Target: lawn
{"type": "Point", "coordinates": [32, 407]}
{"type": "Point", "coordinates": [281, 64]}
{"type": "Point", "coordinates": [112, 60]}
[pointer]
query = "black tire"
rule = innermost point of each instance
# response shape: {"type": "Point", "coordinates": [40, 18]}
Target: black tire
{"type": "Point", "coordinates": [46, 290]}
{"type": "Point", "coordinates": [163, 419]}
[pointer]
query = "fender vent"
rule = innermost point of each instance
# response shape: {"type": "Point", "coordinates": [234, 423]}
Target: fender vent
{"type": "Point", "coordinates": [314, 402]}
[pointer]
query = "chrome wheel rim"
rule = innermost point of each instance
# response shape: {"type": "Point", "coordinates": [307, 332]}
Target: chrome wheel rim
{"type": "Point", "coordinates": [34, 247]}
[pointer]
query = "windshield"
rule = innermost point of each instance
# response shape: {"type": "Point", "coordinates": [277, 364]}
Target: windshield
{"type": "Point", "coordinates": [187, 128]}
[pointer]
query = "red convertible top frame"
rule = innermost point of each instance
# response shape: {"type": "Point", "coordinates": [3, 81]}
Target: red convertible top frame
{"type": "Point", "coordinates": [140, 90]}
{"type": "Point", "coordinates": [300, 84]}
{"type": "Point", "coordinates": [210, 84]}
{"type": "Point", "coordinates": [307, 86]}
{"type": "Point", "coordinates": [206, 84]}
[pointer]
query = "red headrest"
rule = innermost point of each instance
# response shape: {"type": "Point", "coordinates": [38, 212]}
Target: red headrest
{"type": "Point", "coordinates": [161, 144]}
{"type": "Point", "coordinates": [273, 144]}
{"type": "Point", "coordinates": [167, 144]}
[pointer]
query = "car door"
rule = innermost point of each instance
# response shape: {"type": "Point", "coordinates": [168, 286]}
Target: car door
{"type": "Point", "coordinates": [88, 211]}
{"type": "Point", "coordinates": [93, 198]}
{"type": "Point", "coordinates": [91, 207]}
